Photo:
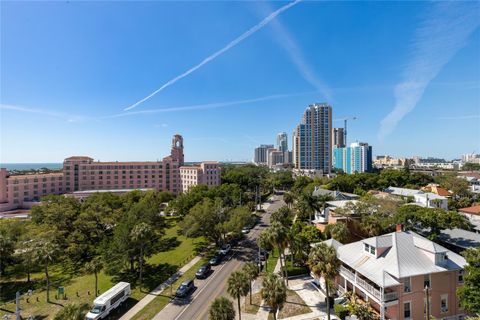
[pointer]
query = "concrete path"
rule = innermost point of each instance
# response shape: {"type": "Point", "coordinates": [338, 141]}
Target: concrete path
{"type": "Point", "coordinates": [153, 294]}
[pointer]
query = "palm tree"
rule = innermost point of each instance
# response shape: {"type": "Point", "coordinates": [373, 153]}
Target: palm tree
{"type": "Point", "coordinates": [338, 231]}
{"type": "Point", "coordinates": [47, 252]}
{"type": "Point", "coordinates": [222, 309]}
{"type": "Point", "coordinates": [94, 267]}
{"type": "Point", "coordinates": [72, 312]}
{"type": "Point", "coordinates": [238, 287]}
{"type": "Point", "coordinates": [274, 292]}
{"type": "Point", "coordinates": [278, 236]}
{"type": "Point", "coordinates": [288, 199]}
{"type": "Point", "coordinates": [263, 242]}
{"type": "Point", "coordinates": [141, 235]}
{"type": "Point", "coordinates": [323, 262]}
{"type": "Point", "coordinates": [251, 271]}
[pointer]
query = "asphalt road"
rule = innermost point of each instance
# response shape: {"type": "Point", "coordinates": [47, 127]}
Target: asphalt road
{"type": "Point", "coordinates": [196, 306]}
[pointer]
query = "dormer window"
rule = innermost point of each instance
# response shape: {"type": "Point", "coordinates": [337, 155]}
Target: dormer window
{"type": "Point", "coordinates": [369, 249]}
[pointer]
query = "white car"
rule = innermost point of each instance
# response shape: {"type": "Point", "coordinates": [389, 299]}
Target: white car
{"type": "Point", "coordinates": [245, 230]}
{"type": "Point", "coordinates": [225, 249]}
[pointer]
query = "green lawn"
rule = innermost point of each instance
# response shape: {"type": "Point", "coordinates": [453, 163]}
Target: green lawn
{"type": "Point", "coordinates": [157, 304]}
{"type": "Point", "coordinates": [178, 251]}
{"type": "Point", "coordinates": [271, 261]}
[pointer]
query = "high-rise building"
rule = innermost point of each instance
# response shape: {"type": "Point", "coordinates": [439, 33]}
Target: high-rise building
{"type": "Point", "coordinates": [356, 158]}
{"type": "Point", "coordinates": [312, 139]}
{"type": "Point", "coordinates": [338, 137]}
{"type": "Point", "coordinates": [282, 142]}
{"type": "Point", "coordinates": [261, 156]}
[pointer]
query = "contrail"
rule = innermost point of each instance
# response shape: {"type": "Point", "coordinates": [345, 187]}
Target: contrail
{"type": "Point", "coordinates": [436, 42]}
{"type": "Point", "coordinates": [230, 45]}
{"type": "Point", "coordinates": [212, 105]}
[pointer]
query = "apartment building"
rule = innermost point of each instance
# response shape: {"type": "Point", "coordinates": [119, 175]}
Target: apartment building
{"type": "Point", "coordinates": [391, 272]}
{"type": "Point", "coordinates": [207, 173]}
{"type": "Point", "coordinates": [81, 173]}
{"type": "Point", "coordinates": [312, 139]}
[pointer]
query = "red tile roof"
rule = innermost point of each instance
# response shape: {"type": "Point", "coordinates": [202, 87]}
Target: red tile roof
{"type": "Point", "coordinates": [472, 210]}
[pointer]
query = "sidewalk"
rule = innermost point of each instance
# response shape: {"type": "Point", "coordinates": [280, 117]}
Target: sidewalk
{"type": "Point", "coordinates": [153, 294]}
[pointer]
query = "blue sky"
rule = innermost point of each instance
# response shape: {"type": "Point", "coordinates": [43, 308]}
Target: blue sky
{"type": "Point", "coordinates": [410, 72]}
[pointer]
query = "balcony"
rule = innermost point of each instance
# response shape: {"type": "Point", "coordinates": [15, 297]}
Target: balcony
{"type": "Point", "coordinates": [367, 287]}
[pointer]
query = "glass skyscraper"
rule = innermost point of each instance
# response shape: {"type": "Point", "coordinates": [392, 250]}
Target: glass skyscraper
{"type": "Point", "coordinates": [312, 139]}
{"type": "Point", "coordinates": [356, 158]}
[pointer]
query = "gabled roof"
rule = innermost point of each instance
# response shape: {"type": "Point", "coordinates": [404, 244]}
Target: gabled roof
{"type": "Point", "coordinates": [407, 256]}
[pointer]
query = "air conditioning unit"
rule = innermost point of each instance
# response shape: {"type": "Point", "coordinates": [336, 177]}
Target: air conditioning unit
{"type": "Point", "coordinates": [444, 309]}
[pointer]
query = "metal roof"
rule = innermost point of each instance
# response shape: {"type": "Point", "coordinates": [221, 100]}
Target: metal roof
{"type": "Point", "coordinates": [409, 255]}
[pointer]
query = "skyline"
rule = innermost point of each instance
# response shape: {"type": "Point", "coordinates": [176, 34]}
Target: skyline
{"type": "Point", "coordinates": [58, 72]}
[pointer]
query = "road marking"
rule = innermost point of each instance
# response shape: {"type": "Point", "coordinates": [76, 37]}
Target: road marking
{"type": "Point", "coordinates": [206, 284]}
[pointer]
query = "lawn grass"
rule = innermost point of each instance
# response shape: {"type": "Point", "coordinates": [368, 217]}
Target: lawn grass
{"type": "Point", "coordinates": [294, 270]}
{"type": "Point", "coordinates": [177, 250]}
{"type": "Point", "coordinates": [255, 306]}
{"type": "Point", "coordinates": [157, 304]}
{"type": "Point", "coordinates": [271, 261]}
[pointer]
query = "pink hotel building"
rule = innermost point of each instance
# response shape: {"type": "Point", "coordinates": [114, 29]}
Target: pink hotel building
{"type": "Point", "coordinates": [82, 173]}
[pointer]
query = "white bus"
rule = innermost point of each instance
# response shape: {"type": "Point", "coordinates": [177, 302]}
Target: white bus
{"type": "Point", "coordinates": [108, 301]}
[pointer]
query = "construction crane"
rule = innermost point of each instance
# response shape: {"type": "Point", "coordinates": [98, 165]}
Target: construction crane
{"type": "Point", "coordinates": [345, 119]}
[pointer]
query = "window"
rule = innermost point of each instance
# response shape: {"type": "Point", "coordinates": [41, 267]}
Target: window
{"type": "Point", "coordinates": [372, 250]}
{"type": "Point", "coordinates": [426, 281]}
{"type": "Point", "coordinates": [407, 285]}
{"type": "Point", "coordinates": [406, 310]}
{"type": "Point", "coordinates": [460, 276]}
{"type": "Point", "coordinates": [444, 303]}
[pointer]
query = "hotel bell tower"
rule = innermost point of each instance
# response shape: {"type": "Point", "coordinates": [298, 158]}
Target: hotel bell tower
{"type": "Point", "coordinates": [177, 149]}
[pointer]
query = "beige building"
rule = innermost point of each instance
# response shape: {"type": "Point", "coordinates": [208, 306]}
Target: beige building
{"type": "Point", "coordinates": [207, 173]}
{"type": "Point", "coordinates": [81, 173]}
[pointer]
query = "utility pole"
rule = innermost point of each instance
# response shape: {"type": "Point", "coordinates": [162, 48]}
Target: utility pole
{"type": "Point", "coordinates": [427, 302]}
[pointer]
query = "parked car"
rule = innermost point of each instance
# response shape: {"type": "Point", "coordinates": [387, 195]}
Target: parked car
{"type": "Point", "coordinates": [215, 260]}
{"type": "Point", "coordinates": [263, 255]}
{"type": "Point", "coordinates": [245, 230]}
{"type": "Point", "coordinates": [225, 249]}
{"type": "Point", "coordinates": [185, 288]}
{"type": "Point", "coordinates": [203, 272]}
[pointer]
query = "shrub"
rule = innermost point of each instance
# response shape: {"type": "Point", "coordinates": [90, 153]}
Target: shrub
{"type": "Point", "coordinates": [341, 311]}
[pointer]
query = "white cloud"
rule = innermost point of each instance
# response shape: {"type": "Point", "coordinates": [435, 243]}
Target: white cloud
{"type": "Point", "coordinates": [229, 46]}
{"type": "Point", "coordinates": [48, 113]}
{"type": "Point", "coordinates": [441, 35]}
{"type": "Point", "coordinates": [288, 42]}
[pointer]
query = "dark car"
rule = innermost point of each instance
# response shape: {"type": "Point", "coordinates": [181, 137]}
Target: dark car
{"type": "Point", "coordinates": [203, 272]}
{"type": "Point", "coordinates": [184, 288]}
{"type": "Point", "coordinates": [215, 260]}
{"type": "Point", "coordinates": [263, 255]}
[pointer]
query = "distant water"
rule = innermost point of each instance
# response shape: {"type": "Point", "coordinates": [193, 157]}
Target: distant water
{"type": "Point", "coordinates": [28, 166]}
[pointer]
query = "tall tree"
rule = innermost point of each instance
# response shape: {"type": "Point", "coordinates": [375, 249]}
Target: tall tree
{"type": "Point", "coordinates": [238, 287]}
{"type": "Point", "coordinates": [263, 242]}
{"type": "Point", "coordinates": [274, 292]}
{"type": "Point", "coordinates": [47, 252]}
{"type": "Point", "coordinates": [7, 247]}
{"type": "Point", "coordinates": [289, 199]}
{"type": "Point", "coordinates": [142, 236]}
{"type": "Point", "coordinates": [323, 262]}
{"type": "Point", "coordinates": [251, 271]}
{"type": "Point", "coordinates": [94, 266]}
{"type": "Point", "coordinates": [278, 236]}
{"type": "Point", "coordinates": [469, 293]}
{"type": "Point", "coordinates": [222, 309]}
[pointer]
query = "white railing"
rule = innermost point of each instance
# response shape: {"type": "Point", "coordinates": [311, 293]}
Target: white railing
{"type": "Point", "coordinates": [347, 273]}
{"type": "Point", "coordinates": [390, 296]}
{"type": "Point", "coordinates": [369, 288]}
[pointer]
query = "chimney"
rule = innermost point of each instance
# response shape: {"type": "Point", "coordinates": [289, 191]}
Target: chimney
{"type": "Point", "coordinates": [399, 227]}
